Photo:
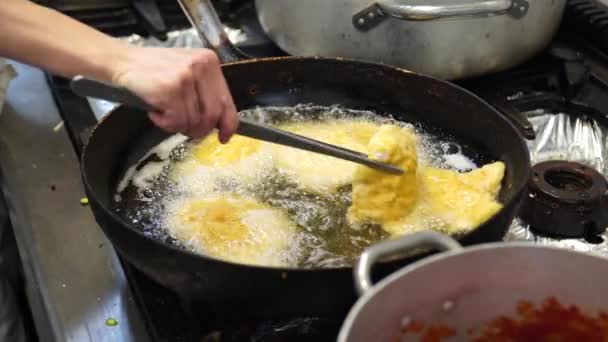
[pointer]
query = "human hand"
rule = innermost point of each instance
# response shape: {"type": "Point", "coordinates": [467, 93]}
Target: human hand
{"type": "Point", "coordinates": [186, 85]}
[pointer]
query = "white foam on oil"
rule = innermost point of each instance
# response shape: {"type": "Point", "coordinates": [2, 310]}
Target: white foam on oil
{"type": "Point", "coordinates": [268, 227]}
{"type": "Point", "coordinates": [191, 177]}
{"type": "Point", "coordinates": [269, 232]}
{"type": "Point", "coordinates": [146, 175]}
{"type": "Point", "coordinates": [124, 182]}
{"type": "Point", "coordinates": [459, 162]}
{"type": "Point", "coordinates": [163, 150]}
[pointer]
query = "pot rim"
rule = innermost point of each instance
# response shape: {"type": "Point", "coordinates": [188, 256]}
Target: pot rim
{"type": "Point", "coordinates": [377, 288]}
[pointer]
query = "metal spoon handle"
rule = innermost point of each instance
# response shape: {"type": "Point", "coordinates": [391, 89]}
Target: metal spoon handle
{"type": "Point", "coordinates": [90, 88]}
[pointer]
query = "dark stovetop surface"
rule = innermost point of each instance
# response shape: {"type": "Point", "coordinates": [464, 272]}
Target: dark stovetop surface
{"type": "Point", "coordinates": [571, 76]}
{"type": "Point", "coordinates": [171, 319]}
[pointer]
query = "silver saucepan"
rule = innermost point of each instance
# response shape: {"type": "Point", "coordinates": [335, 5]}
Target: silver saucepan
{"type": "Point", "coordinates": [450, 39]}
{"type": "Point", "coordinates": [464, 288]}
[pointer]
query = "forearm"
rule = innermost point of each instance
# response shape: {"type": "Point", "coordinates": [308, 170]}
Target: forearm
{"type": "Point", "coordinates": [168, 79]}
{"type": "Point", "coordinates": [47, 39]}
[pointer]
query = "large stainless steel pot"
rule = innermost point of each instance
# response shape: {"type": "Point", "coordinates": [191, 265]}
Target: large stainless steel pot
{"type": "Point", "coordinates": [463, 288]}
{"type": "Point", "coordinates": [480, 36]}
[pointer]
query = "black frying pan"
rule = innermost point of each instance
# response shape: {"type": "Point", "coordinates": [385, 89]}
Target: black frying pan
{"type": "Point", "coordinates": [125, 135]}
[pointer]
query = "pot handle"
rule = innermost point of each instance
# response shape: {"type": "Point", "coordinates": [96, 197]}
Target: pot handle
{"type": "Point", "coordinates": [204, 19]}
{"type": "Point", "coordinates": [378, 251]}
{"type": "Point", "coordinates": [379, 11]}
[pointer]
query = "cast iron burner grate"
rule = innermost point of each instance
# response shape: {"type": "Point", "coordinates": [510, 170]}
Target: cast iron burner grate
{"type": "Point", "coordinates": [563, 80]}
{"type": "Point", "coordinates": [567, 200]}
{"type": "Point", "coordinates": [590, 16]}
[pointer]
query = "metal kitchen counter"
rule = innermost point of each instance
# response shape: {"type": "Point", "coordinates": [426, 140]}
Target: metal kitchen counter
{"type": "Point", "coordinates": [74, 279]}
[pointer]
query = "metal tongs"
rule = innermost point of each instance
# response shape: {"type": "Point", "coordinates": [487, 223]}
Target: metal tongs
{"type": "Point", "coordinates": [90, 88]}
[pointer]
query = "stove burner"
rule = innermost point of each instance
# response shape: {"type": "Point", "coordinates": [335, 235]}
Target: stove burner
{"type": "Point", "coordinates": [567, 200]}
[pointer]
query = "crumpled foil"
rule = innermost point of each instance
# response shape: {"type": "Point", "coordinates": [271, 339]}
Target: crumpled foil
{"type": "Point", "coordinates": [565, 137]}
{"type": "Point", "coordinates": [187, 38]}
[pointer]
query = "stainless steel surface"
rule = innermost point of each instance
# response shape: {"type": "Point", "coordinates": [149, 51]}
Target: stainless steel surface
{"type": "Point", "coordinates": [90, 88]}
{"type": "Point", "coordinates": [450, 49]}
{"type": "Point", "coordinates": [463, 289]}
{"type": "Point", "coordinates": [74, 279]}
{"type": "Point", "coordinates": [11, 320]}
{"type": "Point", "coordinates": [7, 73]}
{"type": "Point", "coordinates": [373, 254]}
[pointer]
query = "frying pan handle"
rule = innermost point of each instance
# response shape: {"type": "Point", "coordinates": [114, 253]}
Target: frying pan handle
{"type": "Point", "coordinates": [204, 18]}
{"type": "Point", "coordinates": [384, 249]}
{"type": "Point", "coordinates": [87, 87]}
{"type": "Point", "coordinates": [377, 12]}
{"type": "Point", "coordinates": [511, 113]}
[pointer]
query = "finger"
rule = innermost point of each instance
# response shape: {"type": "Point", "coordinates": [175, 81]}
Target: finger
{"type": "Point", "coordinates": [201, 129]}
{"type": "Point", "coordinates": [218, 101]}
{"type": "Point", "coordinates": [191, 105]}
{"type": "Point", "coordinates": [176, 110]}
{"type": "Point", "coordinates": [211, 108]}
{"type": "Point", "coordinates": [229, 121]}
{"type": "Point", "coordinates": [207, 85]}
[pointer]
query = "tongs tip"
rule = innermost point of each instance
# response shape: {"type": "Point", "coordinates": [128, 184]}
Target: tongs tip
{"type": "Point", "coordinates": [385, 167]}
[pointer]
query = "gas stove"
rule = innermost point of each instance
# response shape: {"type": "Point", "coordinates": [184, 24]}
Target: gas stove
{"type": "Point", "coordinates": [559, 100]}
